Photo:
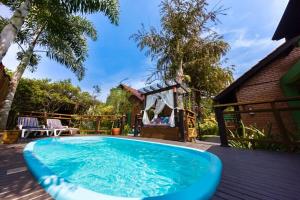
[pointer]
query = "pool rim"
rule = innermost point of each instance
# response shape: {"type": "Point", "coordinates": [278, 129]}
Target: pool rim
{"type": "Point", "coordinates": [61, 189]}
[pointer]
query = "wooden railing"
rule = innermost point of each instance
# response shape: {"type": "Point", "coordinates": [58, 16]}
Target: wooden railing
{"type": "Point", "coordinates": [80, 119]}
{"type": "Point", "coordinates": [273, 107]}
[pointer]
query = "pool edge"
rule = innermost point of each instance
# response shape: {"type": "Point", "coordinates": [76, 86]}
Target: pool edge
{"type": "Point", "coordinates": [61, 189]}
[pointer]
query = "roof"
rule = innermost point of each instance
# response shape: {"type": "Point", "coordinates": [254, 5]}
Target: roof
{"type": "Point", "coordinates": [132, 91]}
{"type": "Point", "coordinates": [288, 26]}
{"type": "Point", "coordinates": [228, 95]}
{"type": "Point", "coordinates": [162, 86]}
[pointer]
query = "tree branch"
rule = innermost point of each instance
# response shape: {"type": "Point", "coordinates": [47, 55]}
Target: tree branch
{"type": "Point", "coordinates": [20, 47]}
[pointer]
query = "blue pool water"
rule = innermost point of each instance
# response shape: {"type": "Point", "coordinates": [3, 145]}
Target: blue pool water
{"type": "Point", "coordinates": [125, 168]}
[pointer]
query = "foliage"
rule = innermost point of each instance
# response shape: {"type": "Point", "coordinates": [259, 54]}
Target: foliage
{"type": "Point", "coordinates": [110, 8]}
{"type": "Point", "coordinates": [118, 99]}
{"type": "Point", "coordinates": [127, 130]}
{"type": "Point", "coordinates": [101, 109]}
{"type": "Point", "coordinates": [252, 134]}
{"type": "Point", "coordinates": [47, 96]}
{"type": "Point", "coordinates": [186, 47]}
{"type": "Point", "coordinates": [209, 126]}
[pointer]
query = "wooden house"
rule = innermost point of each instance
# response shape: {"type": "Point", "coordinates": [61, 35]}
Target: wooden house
{"type": "Point", "coordinates": [277, 76]}
{"type": "Point", "coordinates": [137, 101]}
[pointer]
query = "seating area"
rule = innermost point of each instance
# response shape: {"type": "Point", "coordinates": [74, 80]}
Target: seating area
{"type": "Point", "coordinates": [30, 126]}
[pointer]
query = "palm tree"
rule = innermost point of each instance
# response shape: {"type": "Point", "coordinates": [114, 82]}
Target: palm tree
{"type": "Point", "coordinates": [63, 37]}
{"type": "Point", "coordinates": [23, 7]}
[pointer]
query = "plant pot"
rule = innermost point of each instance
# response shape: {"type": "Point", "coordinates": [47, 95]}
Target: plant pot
{"type": "Point", "coordinates": [115, 131]}
{"type": "Point", "coordinates": [10, 137]}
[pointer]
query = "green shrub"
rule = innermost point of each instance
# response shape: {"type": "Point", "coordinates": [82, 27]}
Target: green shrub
{"type": "Point", "coordinates": [209, 126]}
{"type": "Point", "coordinates": [257, 138]}
{"type": "Point", "coordinates": [127, 129]}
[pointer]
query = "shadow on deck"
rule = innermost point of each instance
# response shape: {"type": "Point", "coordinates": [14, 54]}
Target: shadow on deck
{"type": "Point", "coordinates": [246, 174]}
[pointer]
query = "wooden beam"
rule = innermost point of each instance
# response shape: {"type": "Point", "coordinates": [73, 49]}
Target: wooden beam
{"type": "Point", "coordinates": [182, 126]}
{"type": "Point", "coordinates": [159, 86]}
{"type": "Point", "coordinates": [222, 127]}
{"type": "Point", "coordinates": [152, 88]}
{"type": "Point", "coordinates": [258, 102]}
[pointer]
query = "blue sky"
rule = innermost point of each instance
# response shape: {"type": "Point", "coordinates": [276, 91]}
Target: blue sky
{"type": "Point", "coordinates": [248, 28]}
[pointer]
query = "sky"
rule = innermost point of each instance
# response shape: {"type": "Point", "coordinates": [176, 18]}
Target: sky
{"type": "Point", "coordinates": [248, 27]}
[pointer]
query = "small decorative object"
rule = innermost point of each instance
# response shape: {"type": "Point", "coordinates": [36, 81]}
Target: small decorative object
{"type": "Point", "coordinates": [10, 137]}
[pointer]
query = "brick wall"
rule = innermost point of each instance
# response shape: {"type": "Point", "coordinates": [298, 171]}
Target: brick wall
{"type": "Point", "coordinates": [265, 85]}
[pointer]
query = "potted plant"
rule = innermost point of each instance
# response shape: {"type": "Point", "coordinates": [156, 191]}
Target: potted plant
{"type": "Point", "coordinates": [116, 130]}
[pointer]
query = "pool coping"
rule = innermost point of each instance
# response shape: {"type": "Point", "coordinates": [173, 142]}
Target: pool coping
{"type": "Point", "coordinates": [61, 189]}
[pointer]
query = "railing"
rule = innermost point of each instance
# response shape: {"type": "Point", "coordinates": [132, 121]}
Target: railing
{"type": "Point", "coordinates": [283, 116]}
{"type": "Point", "coordinates": [79, 120]}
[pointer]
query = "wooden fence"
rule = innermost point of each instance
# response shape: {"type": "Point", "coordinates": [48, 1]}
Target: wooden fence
{"type": "Point", "coordinates": [284, 113]}
{"type": "Point", "coordinates": [80, 119]}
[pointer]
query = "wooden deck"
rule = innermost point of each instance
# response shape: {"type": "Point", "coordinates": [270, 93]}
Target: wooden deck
{"type": "Point", "coordinates": [246, 174]}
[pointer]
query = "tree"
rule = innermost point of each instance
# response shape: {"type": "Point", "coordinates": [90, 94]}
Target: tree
{"type": "Point", "coordinates": [44, 95]}
{"type": "Point", "coordinates": [186, 48]}
{"type": "Point", "coordinates": [119, 100]}
{"type": "Point", "coordinates": [63, 37]}
{"type": "Point", "coordinates": [22, 8]}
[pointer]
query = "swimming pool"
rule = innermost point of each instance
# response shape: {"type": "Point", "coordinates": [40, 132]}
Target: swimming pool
{"type": "Point", "coordinates": [115, 168]}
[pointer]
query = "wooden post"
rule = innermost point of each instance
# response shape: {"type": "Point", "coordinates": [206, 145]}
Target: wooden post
{"type": "Point", "coordinates": [135, 133]}
{"type": "Point", "coordinates": [283, 130]}
{"type": "Point", "coordinates": [181, 126]}
{"type": "Point", "coordinates": [122, 124]}
{"type": "Point", "coordinates": [222, 126]}
{"type": "Point", "coordinates": [97, 124]}
{"type": "Point", "coordinates": [175, 107]}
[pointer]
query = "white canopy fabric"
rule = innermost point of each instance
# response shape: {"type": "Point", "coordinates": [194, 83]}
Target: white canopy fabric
{"type": "Point", "coordinates": [150, 101]}
{"type": "Point", "coordinates": [160, 104]}
{"type": "Point", "coordinates": [161, 99]}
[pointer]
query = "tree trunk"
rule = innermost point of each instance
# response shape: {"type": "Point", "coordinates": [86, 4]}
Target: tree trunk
{"type": "Point", "coordinates": [179, 73]}
{"type": "Point", "coordinates": [15, 79]}
{"type": "Point", "coordinates": [9, 32]}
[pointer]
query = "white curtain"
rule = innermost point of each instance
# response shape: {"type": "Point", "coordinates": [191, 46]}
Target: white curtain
{"type": "Point", "coordinates": [168, 98]}
{"type": "Point", "coordinates": [160, 104]}
{"type": "Point", "coordinates": [150, 101]}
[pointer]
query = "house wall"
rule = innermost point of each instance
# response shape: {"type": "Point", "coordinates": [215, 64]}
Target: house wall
{"type": "Point", "coordinates": [136, 109]}
{"type": "Point", "coordinates": [265, 85]}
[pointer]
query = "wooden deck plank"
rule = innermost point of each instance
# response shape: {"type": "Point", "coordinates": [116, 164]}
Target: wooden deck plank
{"type": "Point", "coordinates": [246, 174]}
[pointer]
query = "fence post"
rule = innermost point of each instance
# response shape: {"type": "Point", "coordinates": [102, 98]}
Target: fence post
{"type": "Point", "coordinates": [97, 124]}
{"type": "Point", "coordinates": [221, 126]}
